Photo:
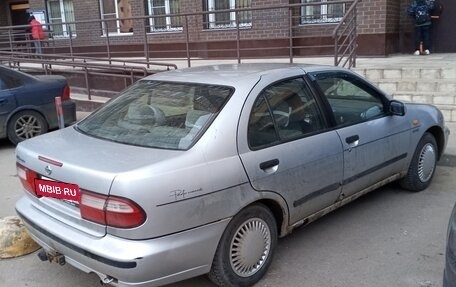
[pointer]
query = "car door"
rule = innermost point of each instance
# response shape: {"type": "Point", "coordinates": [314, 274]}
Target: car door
{"type": "Point", "coordinates": [7, 101]}
{"type": "Point", "coordinates": [375, 142]}
{"type": "Point", "coordinates": [286, 148]}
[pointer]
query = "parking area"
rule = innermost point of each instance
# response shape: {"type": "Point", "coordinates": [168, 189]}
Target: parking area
{"type": "Point", "coordinates": [389, 237]}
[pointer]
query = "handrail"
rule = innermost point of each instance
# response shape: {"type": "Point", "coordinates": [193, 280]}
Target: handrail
{"type": "Point", "coordinates": [68, 42]}
{"type": "Point", "coordinates": [346, 50]}
{"type": "Point", "coordinates": [87, 68]}
{"type": "Point", "coordinates": [87, 59]}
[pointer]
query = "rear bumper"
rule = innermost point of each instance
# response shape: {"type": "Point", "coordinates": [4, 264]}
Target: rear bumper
{"type": "Point", "coordinates": [151, 262]}
{"type": "Point", "coordinates": [50, 113]}
{"type": "Point", "coordinates": [69, 114]}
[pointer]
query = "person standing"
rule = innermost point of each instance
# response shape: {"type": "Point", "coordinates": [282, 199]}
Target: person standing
{"type": "Point", "coordinates": [421, 11]}
{"type": "Point", "coordinates": [37, 33]}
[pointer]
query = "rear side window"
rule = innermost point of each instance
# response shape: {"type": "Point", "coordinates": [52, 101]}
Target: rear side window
{"type": "Point", "coordinates": [9, 82]}
{"type": "Point", "coordinates": [158, 114]}
{"type": "Point", "coordinates": [284, 111]}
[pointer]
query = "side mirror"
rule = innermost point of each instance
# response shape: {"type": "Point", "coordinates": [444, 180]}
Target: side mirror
{"type": "Point", "coordinates": [396, 108]}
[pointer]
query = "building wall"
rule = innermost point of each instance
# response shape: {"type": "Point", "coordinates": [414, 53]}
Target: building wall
{"type": "Point", "coordinates": [383, 28]}
{"type": "Point", "coordinates": [4, 13]}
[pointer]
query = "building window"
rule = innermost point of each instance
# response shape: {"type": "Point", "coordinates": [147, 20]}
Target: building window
{"type": "Point", "coordinates": [116, 9]}
{"type": "Point", "coordinates": [164, 8]}
{"type": "Point", "coordinates": [324, 13]}
{"type": "Point", "coordinates": [61, 11]}
{"type": "Point", "coordinates": [227, 19]}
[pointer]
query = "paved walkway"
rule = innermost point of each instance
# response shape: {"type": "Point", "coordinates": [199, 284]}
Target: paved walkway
{"type": "Point", "coordinates": [393, 61]}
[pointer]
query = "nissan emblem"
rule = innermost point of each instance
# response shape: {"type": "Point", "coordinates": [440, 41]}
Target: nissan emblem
{"type": "Point", "coordinates": [48, 170]}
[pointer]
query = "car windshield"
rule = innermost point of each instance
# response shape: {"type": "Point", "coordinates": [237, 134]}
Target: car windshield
{"type": "Point", "coordinates": [158, 114]}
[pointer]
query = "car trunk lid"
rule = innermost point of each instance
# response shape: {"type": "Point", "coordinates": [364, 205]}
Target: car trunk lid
{"type": "Point", "coordinates": [70, 157]}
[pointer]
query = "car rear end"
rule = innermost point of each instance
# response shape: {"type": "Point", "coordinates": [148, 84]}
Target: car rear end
{"type": "Point", "coordinates": [115, 229]}
{"type": "Point", "coordinates": [147, 213]}
{"type": "Point", "coordinates": [46, 90]}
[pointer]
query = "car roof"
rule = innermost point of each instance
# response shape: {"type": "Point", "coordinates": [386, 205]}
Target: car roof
{"type": "Point", "coordinates": [234, 74]}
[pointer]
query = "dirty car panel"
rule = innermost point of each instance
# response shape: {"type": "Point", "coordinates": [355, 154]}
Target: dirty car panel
{"type": "Point", "coordinates": [201, 170]}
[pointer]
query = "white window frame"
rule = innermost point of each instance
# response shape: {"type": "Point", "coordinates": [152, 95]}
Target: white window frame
{"type": "Point", "coordinates": [103, 23]}
{"type": "Point", "coordinates": [65, 33]}
{"type": "Point", "coordinates": [212, 21]}
{"type": "Point", "coordinates": [324, 19]}
{"type": "Point", "coordinates": [169, 27]}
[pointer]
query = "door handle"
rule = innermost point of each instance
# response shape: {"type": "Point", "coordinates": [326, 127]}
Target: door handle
{"type": "Point", "coordinates": [269, 164]}
{"type": "Point", "coordinates": [2, 101]}
{"type": "Point", "coordinates": [352, 139]}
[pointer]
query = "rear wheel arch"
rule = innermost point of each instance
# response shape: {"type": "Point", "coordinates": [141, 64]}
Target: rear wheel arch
{"type": "Point", "coordinates": [41, 120]}
{"type": "Point", "coordinates": [27, 108]}
{"type": "Point", "coordinates": [246, 248]}
{"type": "Point", "coordinates": [280, 214]}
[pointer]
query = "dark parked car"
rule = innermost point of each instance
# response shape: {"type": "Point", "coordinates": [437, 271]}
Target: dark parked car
{"type": "Point", "coordinates": [27, 104]}
{"type": "Point", "coordinates": [200, 170]}
{"type": "Point", "coordinates": [449, 277]}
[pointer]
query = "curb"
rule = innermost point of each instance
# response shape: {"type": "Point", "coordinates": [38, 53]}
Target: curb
{"type": "Point", "coordinates": [447, 160]}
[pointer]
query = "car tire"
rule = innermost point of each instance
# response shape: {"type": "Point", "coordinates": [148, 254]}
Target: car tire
{"type": "Point", "coordinates": [246, 248]}
{"type": "Point", "coordinates": [26, 124]}
{"type": "Point", "coordinates": [422, 166]}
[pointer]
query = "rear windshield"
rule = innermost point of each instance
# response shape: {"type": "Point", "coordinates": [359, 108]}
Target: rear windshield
{"type": "Point", "coordinates": [158, 114]}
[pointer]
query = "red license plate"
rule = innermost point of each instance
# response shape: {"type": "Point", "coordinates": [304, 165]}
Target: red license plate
{"type": "Point", "coordinates": [57, 189]}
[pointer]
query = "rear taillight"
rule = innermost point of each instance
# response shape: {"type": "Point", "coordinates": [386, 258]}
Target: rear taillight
{"type": "Point", "coordinates": [111, 210]}
{"type": "Point", "coordinates": [27, 178]}
{"type": "Point", "coordinates": [66, 93]}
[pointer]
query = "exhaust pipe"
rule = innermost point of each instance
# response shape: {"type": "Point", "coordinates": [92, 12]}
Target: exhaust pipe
{"type": "Point", "coordinates": [42, 255]}
{"type": "Point", "coordinates": [57, 258]}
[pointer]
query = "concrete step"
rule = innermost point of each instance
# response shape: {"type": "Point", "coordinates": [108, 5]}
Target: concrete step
{"type": "Point", "coordinates": [423, 86]}
{"type": "Point", "coordinates": [440, 98]}
{"type": "Point", "coordinates": [414, 73]}
{"type": "Point", "coordinates": [428, 84]}
{"type": "Point", "coordinates": [83, 104]}
{"type": "Point", "coordinates": [94, 92]}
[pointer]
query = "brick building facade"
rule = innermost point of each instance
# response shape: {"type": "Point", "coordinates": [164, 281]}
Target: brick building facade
{"type": "Point", "coordinates": [383, 27]}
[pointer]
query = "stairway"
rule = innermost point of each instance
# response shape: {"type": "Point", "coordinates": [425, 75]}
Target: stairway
{"type": "Point", "coordinates": [436, 86]}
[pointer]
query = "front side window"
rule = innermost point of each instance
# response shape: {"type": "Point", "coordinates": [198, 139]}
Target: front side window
{"type": "Point", "coordinates": [61, 11]}
{"type": "Point", "coordinates": [220, 20]}
{"type": "Point", "coordinates": [350, 101]}
{"type": "Point", "coordinates": [283, 112]}
{"type": "Point", "coordinates": [158, 114]}
{"type": "Point", "coordinates": [164, 8]}
{"type": "Point", "coordinates": [321, 13]}
{"type": "Point", "coordinates": [116, 9]}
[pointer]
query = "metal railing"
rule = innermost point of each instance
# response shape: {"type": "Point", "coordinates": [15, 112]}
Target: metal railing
{"type": "Point", "coordinates": [345, 36]}
{"type": "Point", "coordinates": [197, 35]}
{"type": "Point", "coordinates": [282, 31]}
{"type": "Point", "coordinates": [127, 70]}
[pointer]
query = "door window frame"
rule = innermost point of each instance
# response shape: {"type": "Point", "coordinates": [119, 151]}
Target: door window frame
{"type": "Point", "coordinates": [318, 107]}
{"type": "Point", "coordinates": [356, 81]}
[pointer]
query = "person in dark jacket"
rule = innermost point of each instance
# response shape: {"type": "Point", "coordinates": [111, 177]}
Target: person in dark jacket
{"type": "Point", "coordinates": [421, 11]}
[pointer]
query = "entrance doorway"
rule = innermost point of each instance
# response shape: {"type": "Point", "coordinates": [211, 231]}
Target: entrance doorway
{"type": "Point", "coordinates": [443, 39]}
{"type": "Point", "coordinates": [19, 14]}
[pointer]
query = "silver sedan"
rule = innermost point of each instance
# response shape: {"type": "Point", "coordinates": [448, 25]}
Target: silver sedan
{"type": "Point", "coordinates": [200, 170]}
